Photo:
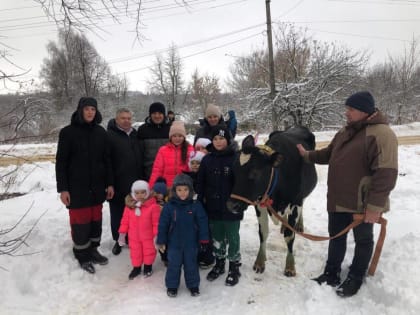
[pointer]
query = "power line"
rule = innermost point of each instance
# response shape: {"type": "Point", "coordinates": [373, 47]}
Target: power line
{"type": "Point", "coordinates": [125, 12]}
{"type": "Point", "coordinates": [48, 24]}
{"type": "Point", "coordinates": [193, 43]}
{"type": "Point", "coordinates": [390, 2]}
{"type": "Point", "coordinates": [361, 36]}
{"type": "Point", "coordinates": [199, 53]}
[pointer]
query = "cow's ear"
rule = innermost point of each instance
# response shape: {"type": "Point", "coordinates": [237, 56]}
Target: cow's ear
{"type": "Point", "coordinates": [276, 159]}
{"type": "Point", "coordinates": [248, 144]}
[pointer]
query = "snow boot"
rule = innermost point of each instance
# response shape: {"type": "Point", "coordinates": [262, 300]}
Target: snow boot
{"type": "Point", "coordinates": [330, 278]}
{"type": "Point", "coordinates": [350, 286]}
{"type": "Point", "coordinates": [195, 291]}
{"type": "Point", "coordinates": [205, 257]}
{"type": "Point", "coordinates": [217, 270]}
{"type": "Point", "coordinates": [172, 292]}
{"type": "Point", "coordinates": [97, 258]}
{"type": "Point", "coordinates": [87, 266]}
{"type": "Point", "coordinates": [147, 270]}
{"type": "Point", "coordinates": [116, 250]}
{"type": "Point", "coordinates": [233, 274]}
{"type": "Point", "coordinates": [134, 273]}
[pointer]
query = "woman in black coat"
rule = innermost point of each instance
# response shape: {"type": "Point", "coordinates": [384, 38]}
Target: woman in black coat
{"type": "Point", "coordinates": [84, 179]}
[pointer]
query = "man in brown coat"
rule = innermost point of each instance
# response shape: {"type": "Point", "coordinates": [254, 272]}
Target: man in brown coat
{"type": "Point", "coordinates": [363, 167]}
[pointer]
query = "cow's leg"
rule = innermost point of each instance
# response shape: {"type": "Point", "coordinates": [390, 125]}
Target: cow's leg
{"type": "Point", "coordinates": [262, 216]}
{"type": "Point", "coordinates": [293, 214]}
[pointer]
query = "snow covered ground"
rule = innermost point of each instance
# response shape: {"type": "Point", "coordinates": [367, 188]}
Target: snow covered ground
{"type": "Point", "coordinates": [44, 278]}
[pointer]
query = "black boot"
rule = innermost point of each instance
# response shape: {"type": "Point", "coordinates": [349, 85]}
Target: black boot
{"type": "Point", "coordinates": [97, 258]}
{"type": "Point", "coordinates": [350, 286]}
{"type": "Point", "coordinates": [147, 270]}
{"type": "Point", "coordinates": [116, 250]}
{"type": "Point", "coordinates": [217, 270]}
{"type": "Point", "coordinates": [195, 291]}
{"type": "Point", "coordinates": [234, 274]}
{"type": "Point", "coordinates": [172, 292]}
{"type": "Point", "coordinates": [330, 278]}
{"type": "Point", "coordinates": [87, 266]}
{"type": "Point", "coordinates": [134, 273]}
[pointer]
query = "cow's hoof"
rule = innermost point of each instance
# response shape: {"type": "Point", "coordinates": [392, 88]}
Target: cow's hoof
{"type": "Point", "coordinates": [290, 273]}
{"type": "Point", "coordinates": [259, 268]}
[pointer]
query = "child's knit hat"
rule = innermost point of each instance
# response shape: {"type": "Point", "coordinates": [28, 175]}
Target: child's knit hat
{"type": "Point", "coordinates": [140, 185]}
{"type": "Point", "coordinates": [195, 156]}
{"type": "Point", "coordinates": [177, 127]}
{"type": "Point", "coordinates": [160, 186]}
{"type": "Point", "coordinates": [222, 131]}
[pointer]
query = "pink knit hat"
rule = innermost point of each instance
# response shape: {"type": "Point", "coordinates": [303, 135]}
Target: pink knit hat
{"type": "Point", "coordinates": [177, 127]}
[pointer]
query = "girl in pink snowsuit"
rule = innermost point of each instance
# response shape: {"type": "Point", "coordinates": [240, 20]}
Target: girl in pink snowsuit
{"type": "Point", "coordinates": [141, 224]}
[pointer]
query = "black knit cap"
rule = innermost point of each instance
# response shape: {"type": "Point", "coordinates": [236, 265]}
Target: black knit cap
{"type": "Point", "coordinates": [220, 130]}
{"type": "Point", "coordinates": [362, 101]}
{"type": "Point", "coordinates": [87, 101]}
{"type": "Point", "coordinates": [157, 107]}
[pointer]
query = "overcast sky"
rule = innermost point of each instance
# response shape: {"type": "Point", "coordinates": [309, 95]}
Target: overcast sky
{"type": "Point", "coordinates": [210, 33]}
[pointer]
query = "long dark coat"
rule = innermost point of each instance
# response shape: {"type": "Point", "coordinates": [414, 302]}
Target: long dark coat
{"type": "Point", "coordinates": [126, 158]}
{"type": "Point", "coordinates": [83, 164]}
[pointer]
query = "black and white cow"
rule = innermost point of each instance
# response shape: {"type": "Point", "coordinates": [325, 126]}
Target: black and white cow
{"type": "Point", "coordinates": [291, 182]}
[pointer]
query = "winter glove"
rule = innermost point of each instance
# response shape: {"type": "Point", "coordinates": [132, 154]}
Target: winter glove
{"type": "Point", "coordinates": [121, 239]}
{"type": "Point", "coordinates": [161, 248]}
{"type": "Point", "coordinates": [204, 247]}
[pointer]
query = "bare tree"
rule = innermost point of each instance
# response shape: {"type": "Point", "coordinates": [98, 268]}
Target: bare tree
{"type": "Point", "coordinates": [395, 84]}
{"type": "Point", "coordinates": [118, 88]}
{"type": "Point", "coordinates": [204, 89]}
{"type": "Point", "coordinates": [406, 69]}
{"type": "Point", "coordinates": [166, 77]}
{"type": "Point", "coordinates": [74, 68]}
{"type": "Point", "coordinates": [311, 79]}
{"type": "Point", "coordinates": [90, 14]}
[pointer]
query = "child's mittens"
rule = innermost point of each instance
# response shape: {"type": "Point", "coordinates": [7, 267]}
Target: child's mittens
{"type": "Point", "coordinates": [121, 239]}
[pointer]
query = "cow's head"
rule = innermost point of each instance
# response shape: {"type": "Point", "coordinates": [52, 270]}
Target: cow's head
{"type": "Point", "coordinates": [252, 171]}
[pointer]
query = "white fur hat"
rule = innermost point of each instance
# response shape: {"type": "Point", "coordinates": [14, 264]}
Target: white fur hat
{"type": "Point", "coordinates": [140, 185]}
{"type": "Point", "coordinates": [203, 142]}
{"type": "Point", "coordinates": [195, 156]}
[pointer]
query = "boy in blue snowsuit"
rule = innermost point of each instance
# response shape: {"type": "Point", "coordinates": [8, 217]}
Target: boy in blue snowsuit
{"type": "Point", "coordinates": [183, 226]}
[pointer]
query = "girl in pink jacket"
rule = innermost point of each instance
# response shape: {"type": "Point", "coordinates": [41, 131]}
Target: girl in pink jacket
{"type": "Point", "coordinates": [172, 158]}
{"type": "Point", "coordinates": [141, 224]}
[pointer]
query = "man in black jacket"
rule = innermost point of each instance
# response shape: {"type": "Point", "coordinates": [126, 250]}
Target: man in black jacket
{"type": "Point", "coordinates": [84, 180]}
{"type": "Point", "coordinates": [126, 159]}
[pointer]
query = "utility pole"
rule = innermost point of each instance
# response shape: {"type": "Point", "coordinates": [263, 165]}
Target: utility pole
{"type": "Point", "coordinates": [271, 60]}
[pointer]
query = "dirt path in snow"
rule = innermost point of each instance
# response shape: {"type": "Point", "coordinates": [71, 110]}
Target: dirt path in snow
{"type": "Point", "coordinates": [17, 160]}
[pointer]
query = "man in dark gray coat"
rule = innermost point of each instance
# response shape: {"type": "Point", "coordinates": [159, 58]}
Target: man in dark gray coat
{"type": "Point", "coordinates": [152, 135]}
{"type": "Point", "coordinates": [126, 159]}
